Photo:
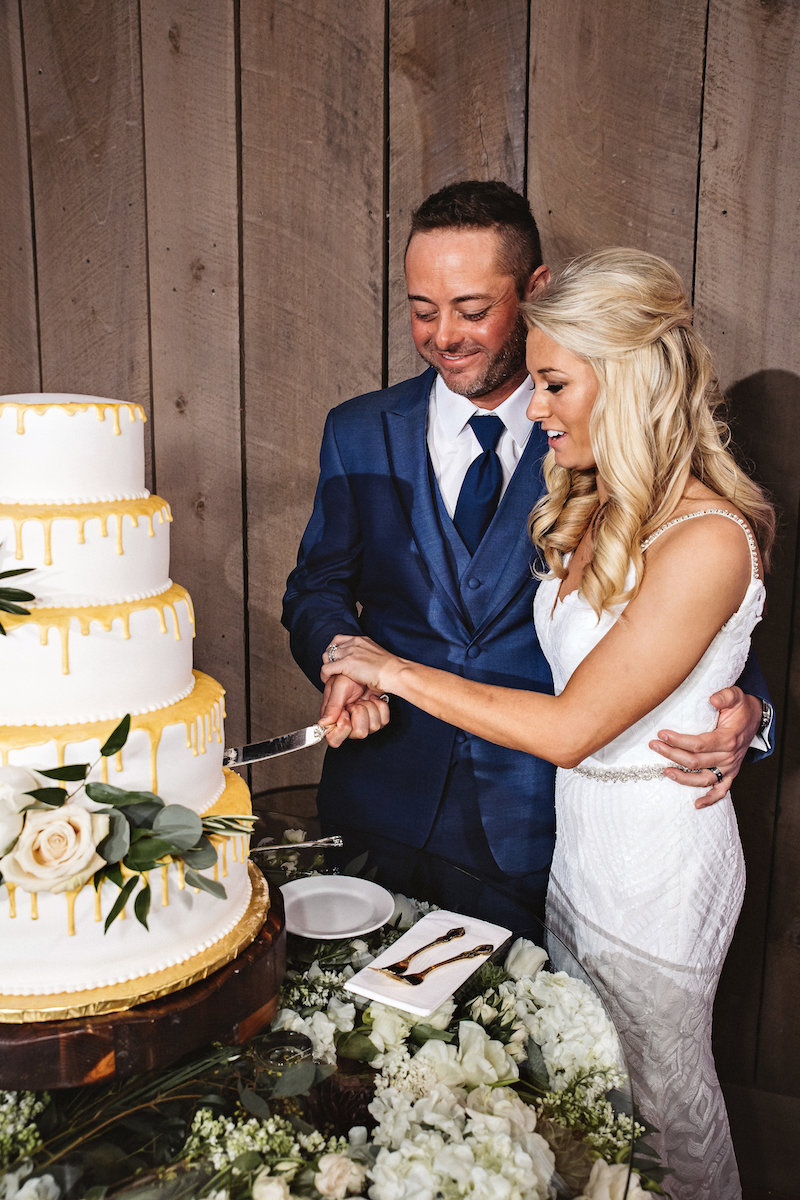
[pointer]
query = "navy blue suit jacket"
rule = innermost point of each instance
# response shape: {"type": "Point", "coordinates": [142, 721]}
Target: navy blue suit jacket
{"type": "Point", "coordinates": [374, 559]}
{"type": "Point", "coordinates": [375, 540]}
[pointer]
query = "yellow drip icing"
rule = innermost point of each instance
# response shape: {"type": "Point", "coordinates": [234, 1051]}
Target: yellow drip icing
{"type": "Point", "coordinates": [165, 884]}
{"type": "Point", "coordinates": [11, 888]}
{"type": "Point", "coordinates": [148, 509]}
{"type": "Point", "coordinates": [98, 908]}
{"type": "Point", "coordinates": [201, 709]}
{"type": "Point", "coordinates": [60, 619]}
{"type": "Point", "coordinates": [34, 906]}
{"type": "Point", "coordinates": [71, 897]}
{"type": "Point", "coordinates": [101, 408]}
{"type": "Point", "coordinates": [181, 876]}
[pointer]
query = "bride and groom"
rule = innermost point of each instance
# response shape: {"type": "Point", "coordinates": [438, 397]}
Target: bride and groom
{"type": "Point", "coordinates": [651, 587]}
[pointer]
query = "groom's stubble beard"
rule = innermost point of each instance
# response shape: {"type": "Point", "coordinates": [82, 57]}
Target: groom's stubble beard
{"type": "Point", "coordinates": [508, 360]}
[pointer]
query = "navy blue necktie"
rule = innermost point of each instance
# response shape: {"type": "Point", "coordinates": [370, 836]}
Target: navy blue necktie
{"type": "Point", "coordinates": [483, 483]}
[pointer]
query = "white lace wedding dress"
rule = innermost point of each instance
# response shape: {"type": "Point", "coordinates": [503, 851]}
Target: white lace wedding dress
{"type": "Point", "coordinates": [645, 890]}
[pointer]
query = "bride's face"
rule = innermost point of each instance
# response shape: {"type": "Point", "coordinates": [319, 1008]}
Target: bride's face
{"type": "Point", "coordinates": [564, 391]}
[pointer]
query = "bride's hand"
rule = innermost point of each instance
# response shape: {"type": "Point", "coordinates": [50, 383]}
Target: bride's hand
{"type": "Point", "coordinates": [362, 660]}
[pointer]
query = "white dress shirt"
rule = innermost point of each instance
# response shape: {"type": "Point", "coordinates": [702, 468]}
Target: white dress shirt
{"type": "Point", "coordinates": [452, 445]}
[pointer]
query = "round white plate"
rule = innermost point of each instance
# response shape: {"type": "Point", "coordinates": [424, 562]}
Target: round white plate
{"type": "Point", "coordinates": [335, 906]}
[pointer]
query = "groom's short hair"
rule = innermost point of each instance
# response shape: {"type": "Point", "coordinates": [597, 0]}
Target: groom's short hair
{"type": "Point", "coordinates": [486, 204]}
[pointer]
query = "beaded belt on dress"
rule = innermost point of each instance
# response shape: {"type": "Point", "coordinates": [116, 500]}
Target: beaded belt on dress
{"type": "Point", "coordinates": [621, 774]}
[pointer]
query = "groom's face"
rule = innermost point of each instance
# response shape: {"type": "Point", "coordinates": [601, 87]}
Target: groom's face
{"type": "Point", "coordinates": [465, 317]}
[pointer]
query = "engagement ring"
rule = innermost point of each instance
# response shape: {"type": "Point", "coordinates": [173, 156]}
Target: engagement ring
{"type": "Point", "coordinates": [332, 652]}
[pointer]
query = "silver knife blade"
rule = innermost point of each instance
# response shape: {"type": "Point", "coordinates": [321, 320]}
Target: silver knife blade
{"type": "Point", "coordinates": [240, 756]}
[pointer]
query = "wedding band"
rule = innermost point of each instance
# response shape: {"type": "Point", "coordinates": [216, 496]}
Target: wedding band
{"type": "Point", "coordinates": [384, 697]}
{"type": "Point", "coordinates": [332, 652]}
{"type": "Point", "coordinates": [716, 771]}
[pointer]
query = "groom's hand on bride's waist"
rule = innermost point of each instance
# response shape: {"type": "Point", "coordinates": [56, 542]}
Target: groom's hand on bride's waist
{"type": "Point", "coordinates": [712, 760]}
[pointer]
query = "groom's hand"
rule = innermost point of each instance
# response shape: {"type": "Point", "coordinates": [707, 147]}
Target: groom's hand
{"type": "Point", "coordinates": [722, 748]}
{"type": "Point", "coordinates": [350, 710]}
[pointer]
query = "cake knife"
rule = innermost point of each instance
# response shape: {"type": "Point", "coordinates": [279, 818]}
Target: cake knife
{"type": "Point", "coordinates": [241, 756]}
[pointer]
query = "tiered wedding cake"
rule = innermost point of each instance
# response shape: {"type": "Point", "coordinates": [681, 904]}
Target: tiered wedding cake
{"type": "Point", "coordinates": [108, 633]}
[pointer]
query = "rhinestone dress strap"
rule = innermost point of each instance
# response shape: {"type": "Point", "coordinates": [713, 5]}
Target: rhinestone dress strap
{"type": "Point", "coordinates": [706, 512]}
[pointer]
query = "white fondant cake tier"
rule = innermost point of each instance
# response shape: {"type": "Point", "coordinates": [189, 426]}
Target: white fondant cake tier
{"type": "Point", "coordinates": [58, 447]}
{"type": "Point", "coordinates": [100, 553]}
{"type": "Point", "coordinates": [42, 957]}
{"type": "Point", "coordinates": [175, 752]}
{"type": "Point", "coordinates": [84, 664]}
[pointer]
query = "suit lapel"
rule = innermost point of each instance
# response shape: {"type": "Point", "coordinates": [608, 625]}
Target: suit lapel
{"type": "Point", "coordinates": [405, 425]}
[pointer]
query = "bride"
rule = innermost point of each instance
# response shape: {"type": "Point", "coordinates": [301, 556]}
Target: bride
{"type": "Point", "coordinates": [651, 541]}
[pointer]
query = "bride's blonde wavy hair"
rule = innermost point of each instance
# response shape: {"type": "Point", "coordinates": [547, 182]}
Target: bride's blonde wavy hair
{"type": "Point", "coordinates": [655, 420]}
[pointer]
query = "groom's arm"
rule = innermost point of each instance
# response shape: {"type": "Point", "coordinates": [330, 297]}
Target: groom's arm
{"type": "Point", "coordinates": [744, 727]}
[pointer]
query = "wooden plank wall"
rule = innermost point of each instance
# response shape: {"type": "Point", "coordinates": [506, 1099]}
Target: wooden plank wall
{"type": "Point", "coordinates": [204, 205]}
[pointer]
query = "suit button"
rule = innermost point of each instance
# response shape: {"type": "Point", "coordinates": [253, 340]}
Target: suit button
{"type": "Point", "coordinates": [473, 651]}
{"type": "Point", "coordinates": [473, 583]}
{"type": "Point", "coordinates": [461, 737]}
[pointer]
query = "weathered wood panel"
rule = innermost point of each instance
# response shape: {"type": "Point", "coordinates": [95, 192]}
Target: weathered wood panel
{"type": "Point", "coordinates": [19, 349]}
{"type": "Point", "coordinates": [190, 87]}
{"type": "Point", "coordinates": [615, 102]}
{"type": "Point", "coordinates": [457, 80]}
{"type": "Point", "coordinates": [313, 250]}
{"type": "Point", "coordinates": [84, 95]}
{"type": "Point", "coordinates": [747, 295]}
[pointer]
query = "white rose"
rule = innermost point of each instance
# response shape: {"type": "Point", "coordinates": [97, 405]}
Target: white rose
{"type": "Point", "coordinates": [269, 1187]}
{"type": "Point", "coordinates": [525, 959]}
{"type": "Point", "coordinates": [57, 849]}
{"type": "Point", "coordinates": [610, 1182]}
{"type": "Point", "coordinates": [337, 1176]}
{"type": "Point", "coordinates": [390, 1027]}
{"type": "Point", "coordinates": [43, 1187]}
{"type": "Point", "coordinates": [15, 782]}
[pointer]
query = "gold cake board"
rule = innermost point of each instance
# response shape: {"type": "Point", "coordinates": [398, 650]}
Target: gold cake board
{"type": "Point", "coordinates": [226, 996]}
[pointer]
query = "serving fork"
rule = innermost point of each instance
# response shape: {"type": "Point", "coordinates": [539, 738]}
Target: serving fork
{"type": "Point", "coordinates": [399, 968]}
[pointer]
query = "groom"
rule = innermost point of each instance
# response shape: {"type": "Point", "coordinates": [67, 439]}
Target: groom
{"type": "Point", "coordinates": [382, 555]}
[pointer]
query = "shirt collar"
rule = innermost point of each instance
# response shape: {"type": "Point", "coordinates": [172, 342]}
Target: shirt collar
{"type": "Point", "coordinates": [454, 411]}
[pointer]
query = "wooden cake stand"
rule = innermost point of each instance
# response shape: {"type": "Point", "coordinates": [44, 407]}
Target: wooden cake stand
{"type": "Point", "coordinates": [230, 1005]}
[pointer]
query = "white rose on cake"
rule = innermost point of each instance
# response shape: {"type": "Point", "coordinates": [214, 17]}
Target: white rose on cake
{"type": "Point", "coordinates": [15, 784]}
{"type": "Point", "coordinates": [56, 850]}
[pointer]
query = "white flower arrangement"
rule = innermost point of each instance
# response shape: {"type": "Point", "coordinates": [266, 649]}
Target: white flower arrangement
{"type": "Point", "coordinates": [504, 1093]}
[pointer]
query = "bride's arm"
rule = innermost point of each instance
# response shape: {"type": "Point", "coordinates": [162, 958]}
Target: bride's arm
{"type": "Point", "coordinates": [696, 576]}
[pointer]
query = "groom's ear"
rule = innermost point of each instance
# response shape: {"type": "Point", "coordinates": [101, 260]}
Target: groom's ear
{"type": "Point", "coordinates": [537, 282]}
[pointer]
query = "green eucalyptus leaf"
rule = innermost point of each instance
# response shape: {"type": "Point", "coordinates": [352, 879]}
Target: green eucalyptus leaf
{"type": "Point", "coordinates": [356, 1044]}
{"type": "Point", "coordinates": [145, 853]}
{"type": "Point", "coordinates": [121, 901]}
{"type": "Point", "coordinates": [141, 905]}
{"type": "Point", "coordinates": [296, 1080]}
{"type": "Point", "coordinates": [55, 797]}
{"type": "Point", "coordinates": [195, 879]}
{"type": "Point", "coordinates": [180, 825]}
{"type": "Point", "coordinates": [117, 738]}
{"type": "Point", "coordinates": [16, 594]}
{"type": "Point", "coordinates": [252, 1102]}
{"type": "Point", "coordinates": [106, 793]}
{"type": "Point", "coordinates": [200, 856]}
{"type": "Point", "coordinates": [248, 1160]}
{"type": "Point", "coordinates": [116, 843]}
{"type": "Point", "coordinates": [71, 773]}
